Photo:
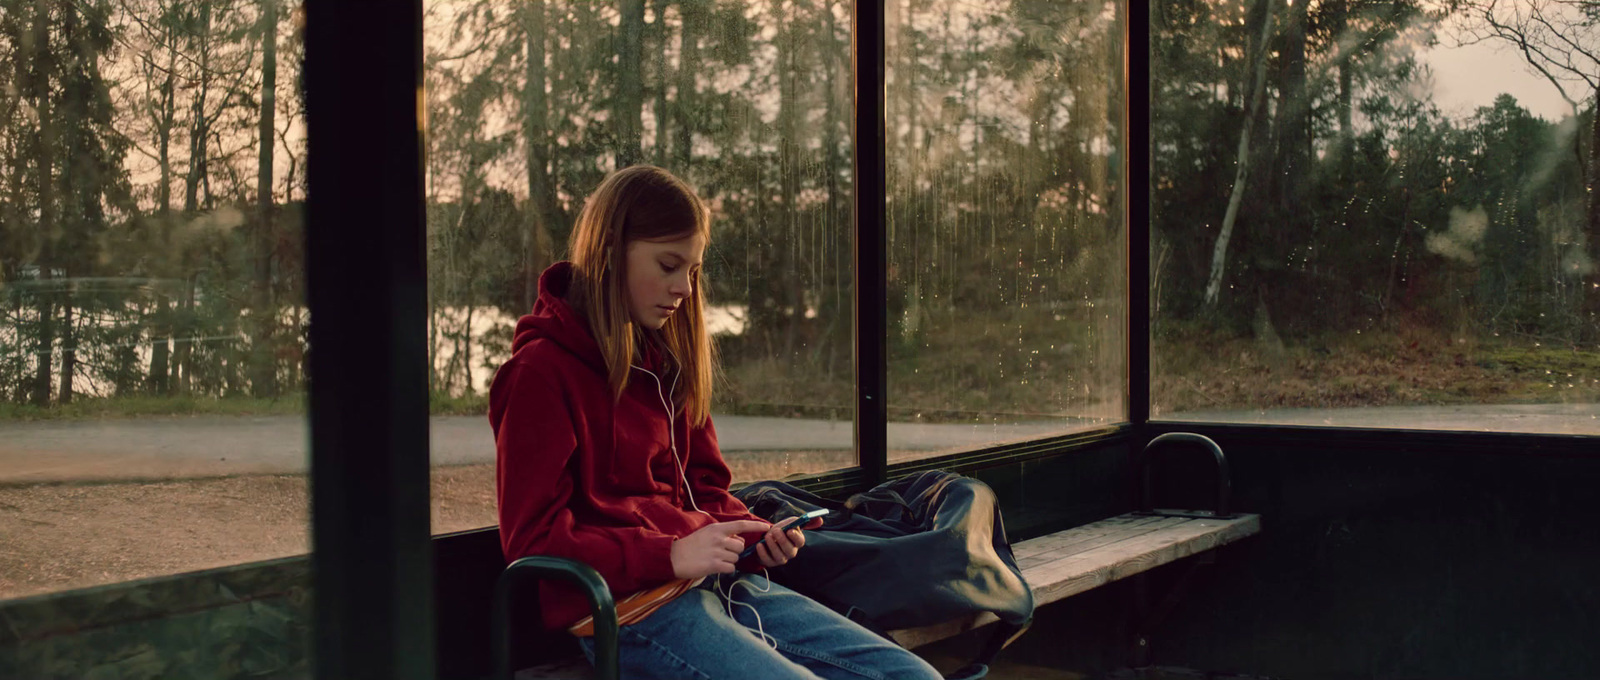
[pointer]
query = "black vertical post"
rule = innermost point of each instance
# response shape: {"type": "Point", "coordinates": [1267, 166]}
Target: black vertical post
{"type": "Point", "coordinates": [1136, 88]}
{"type": "Point", "coordinates": [366, 274]}
{"type": "Point", "coordinates": [1136, 195]}
{"type": "Point", "coordinates": [871, 248]}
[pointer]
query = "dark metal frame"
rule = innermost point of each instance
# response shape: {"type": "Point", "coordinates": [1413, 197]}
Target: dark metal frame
{"type": "Point", "coordinates": [366, 268]}
{"type": "Point", "coordinates": [1136, 178]}
{"type": "Point", "coordinates": [871, 284]}
{"type": "Point", "coordinates": [1418, 441]}
{"type": "Point", "coordinates": [366, 271]}
{"type": "Point", "coordinates": [871, 242]}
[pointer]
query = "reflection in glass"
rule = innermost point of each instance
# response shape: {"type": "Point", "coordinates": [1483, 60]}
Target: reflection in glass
{"type": "Point", "coordinates": [152, 338]}
{"type": "Point", "coordinates": [1375, 215]}
{"type": "Point", "coordinates": [1005, 221]}
{"type": "Point", "coordinates": [530, 106]}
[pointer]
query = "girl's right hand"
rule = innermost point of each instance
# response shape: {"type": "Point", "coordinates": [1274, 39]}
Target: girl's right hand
{"type": "Point", "coordinates": [713, 549]}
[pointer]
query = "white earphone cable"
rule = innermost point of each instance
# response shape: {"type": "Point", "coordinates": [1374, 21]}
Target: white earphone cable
{"type": "Point", "coordinates": [672, 439]}
{"type": "Point", "coordinates": [728, 597]}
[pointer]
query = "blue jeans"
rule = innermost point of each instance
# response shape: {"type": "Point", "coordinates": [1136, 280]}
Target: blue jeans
{"type": "Point", "coordinates": [693, 637]}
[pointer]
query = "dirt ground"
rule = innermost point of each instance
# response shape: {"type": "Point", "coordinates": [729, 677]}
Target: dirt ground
{"type": "Point", "coordinates": [60, 536]}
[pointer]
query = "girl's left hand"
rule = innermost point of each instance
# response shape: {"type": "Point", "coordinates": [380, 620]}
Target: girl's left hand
{"type": "Point", "coordinates": [782, 543]}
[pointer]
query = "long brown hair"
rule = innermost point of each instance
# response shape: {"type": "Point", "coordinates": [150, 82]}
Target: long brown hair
{"type": "Point", "coordinates": [642, 202]}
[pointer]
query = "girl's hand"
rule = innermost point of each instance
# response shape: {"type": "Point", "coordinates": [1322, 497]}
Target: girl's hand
{"type": "Point", "coordinates": [781, 544]}
{"type": "Point", "coordinates": [711, 550]}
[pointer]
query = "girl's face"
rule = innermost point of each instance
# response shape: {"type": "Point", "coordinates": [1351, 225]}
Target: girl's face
{"type": "Point", "coordinates": [661, 275]}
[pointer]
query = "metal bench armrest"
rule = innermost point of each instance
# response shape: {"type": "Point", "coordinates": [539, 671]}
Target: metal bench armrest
{"type": "Point", "coordinates": [538, 568]}
{"type": "Point", "coordinates": [1146, 463]}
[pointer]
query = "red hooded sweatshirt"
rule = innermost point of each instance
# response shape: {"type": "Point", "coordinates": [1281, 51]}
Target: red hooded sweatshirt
{"type": "Point", "coordinates": [584, 476]}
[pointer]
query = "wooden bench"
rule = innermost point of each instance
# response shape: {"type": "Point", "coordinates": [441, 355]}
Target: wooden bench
{"type": "Point", "coordinates": [1057, 566]}
{"type": "Point", "coordinates": [1079, 559]}
{"type": "Point", "coordinates": [1069, 562]}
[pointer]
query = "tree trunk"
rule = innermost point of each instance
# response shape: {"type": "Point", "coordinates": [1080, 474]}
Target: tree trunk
{"type": "Point", "coordinates": [1347, 135]}
{"type": "Point", "coordinates": [835, 315]}
{"type": "Point", "coordinates": [262, 341]}
{"type": "Point", "coordinates": [788, 184]}
{"type": "Point", "coordinates": [165, 121]}
{"type": "Point", "coordinates": [199, 133]}
{"type": "Point", "coordinates": [691, 16]}
{"type": "Point", "coordinates": [662, 79]}
{"type": "Point", "coordinates": [466, 357]}
{"type": "Point", "coordinates": [1219, 253]}
{"type": "Point", "coordinates": [161, 349]}
{"type": "Point", "coordinates": [1339, 10]}
{"type": "Point", "coordinates": [42, 71]}
{"type": "Point", "coordinates": [630, 95]}
{"type": "Point", "coordinates": [1590, 308]}
{"type": "Point", "coordinates": [158, 325]}
{"type": "Point", "coordinates": [538, 242]}
{"type": "Point", "coordinates": [433, 346]}
{"type": "Point", "coordinates": [69, 344]}
{"type": "Point", "coordinates": [44, 347]}
{"type": "Point", "coordinates": [1294, 123]}
{"type": "Point", "coordinates": [183, 361]}
{"type": "Point", "coordinates": [830, 116]}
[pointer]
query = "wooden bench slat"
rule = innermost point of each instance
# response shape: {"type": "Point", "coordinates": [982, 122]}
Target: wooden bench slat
{"type": "Point", "coordinates": [1077, 573]}
{"type": "Point", "coordinates": [1089, 537]}
{"type": "Point", "coordinates": [1113, 557]}
{"type": "Point", "coordinates": [1061, 539]}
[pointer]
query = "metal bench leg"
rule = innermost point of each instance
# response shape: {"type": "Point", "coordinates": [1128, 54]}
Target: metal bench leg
{"type": "Point", "coordinates": [1147, 617]}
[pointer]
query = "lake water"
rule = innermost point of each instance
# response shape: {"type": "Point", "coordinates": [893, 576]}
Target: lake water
{"type": "Point", "coordinates": [720, 320]}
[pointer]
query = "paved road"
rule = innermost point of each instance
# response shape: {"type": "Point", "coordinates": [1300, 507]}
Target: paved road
{"type": "Point", "coordinates": [168, 447]}
{"type": "Point", "coordinates": [1544, 418]}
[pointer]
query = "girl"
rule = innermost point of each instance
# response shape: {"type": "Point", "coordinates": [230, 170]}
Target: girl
{"type": "Point", "coordinates": [606, 454]}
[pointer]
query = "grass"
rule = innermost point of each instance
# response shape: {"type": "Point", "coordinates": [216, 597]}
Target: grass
{"type": "Point", "coordinates": [441, 404]}
{"type": "Point", "coordinates": [1194, 369]}
{"type": "Point", "coordinates": [149, 406]}
{"type": "Point", "coordinates": [966, 365]}
{"type": "Point", "coordinates": [145, 406]}
{"type": "Point", "coordinates": [1027, 364]}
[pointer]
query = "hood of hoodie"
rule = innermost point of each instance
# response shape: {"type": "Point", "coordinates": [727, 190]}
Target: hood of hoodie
{"type": "Point", "coordinates": [554, 319]}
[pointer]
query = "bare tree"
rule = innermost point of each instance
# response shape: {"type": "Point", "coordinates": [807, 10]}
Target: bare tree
{"type": "Point", "coordinates": [1558, 38]}
{"type": "Point", "coordinates": [38, 89]}
{"type": "Point", "coordinates": [1561, 40]}
{"type": "Point", "coordinates": [264, 382]}
{"type": "Point", "coordinates": [1219, 253]}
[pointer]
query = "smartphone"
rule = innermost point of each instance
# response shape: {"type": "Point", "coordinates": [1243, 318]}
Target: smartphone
{"type": "Point", "coordinates": [802, 519]}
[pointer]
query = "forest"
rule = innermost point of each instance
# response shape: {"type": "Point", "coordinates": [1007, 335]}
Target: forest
{"type": "Point", "coordinates": [1305, 190]}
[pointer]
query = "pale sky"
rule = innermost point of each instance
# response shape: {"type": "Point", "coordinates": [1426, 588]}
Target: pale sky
{"type": "Point", "coordinates": [1466, 78]}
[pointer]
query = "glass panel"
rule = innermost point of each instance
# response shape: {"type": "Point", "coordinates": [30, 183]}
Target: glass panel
{"type": "Point", "coordinates": [748, 102]}
{"type": "Point", "coordinates": [152, 348]}
{"type": "Point", "coordinates": [1005, 218]}
{"type": "Point", "coordinates": [1375, 215]}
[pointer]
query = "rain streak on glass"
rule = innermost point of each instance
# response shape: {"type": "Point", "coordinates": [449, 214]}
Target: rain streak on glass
{"type": "Point", "coordinates": [1005, 221]}
{"type": "Point", "coordinates": [1375, 214]}
{"type": "Point", "coordinates": [529, 106]}
{"type": "Point", "coordinates": [153, 333]}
